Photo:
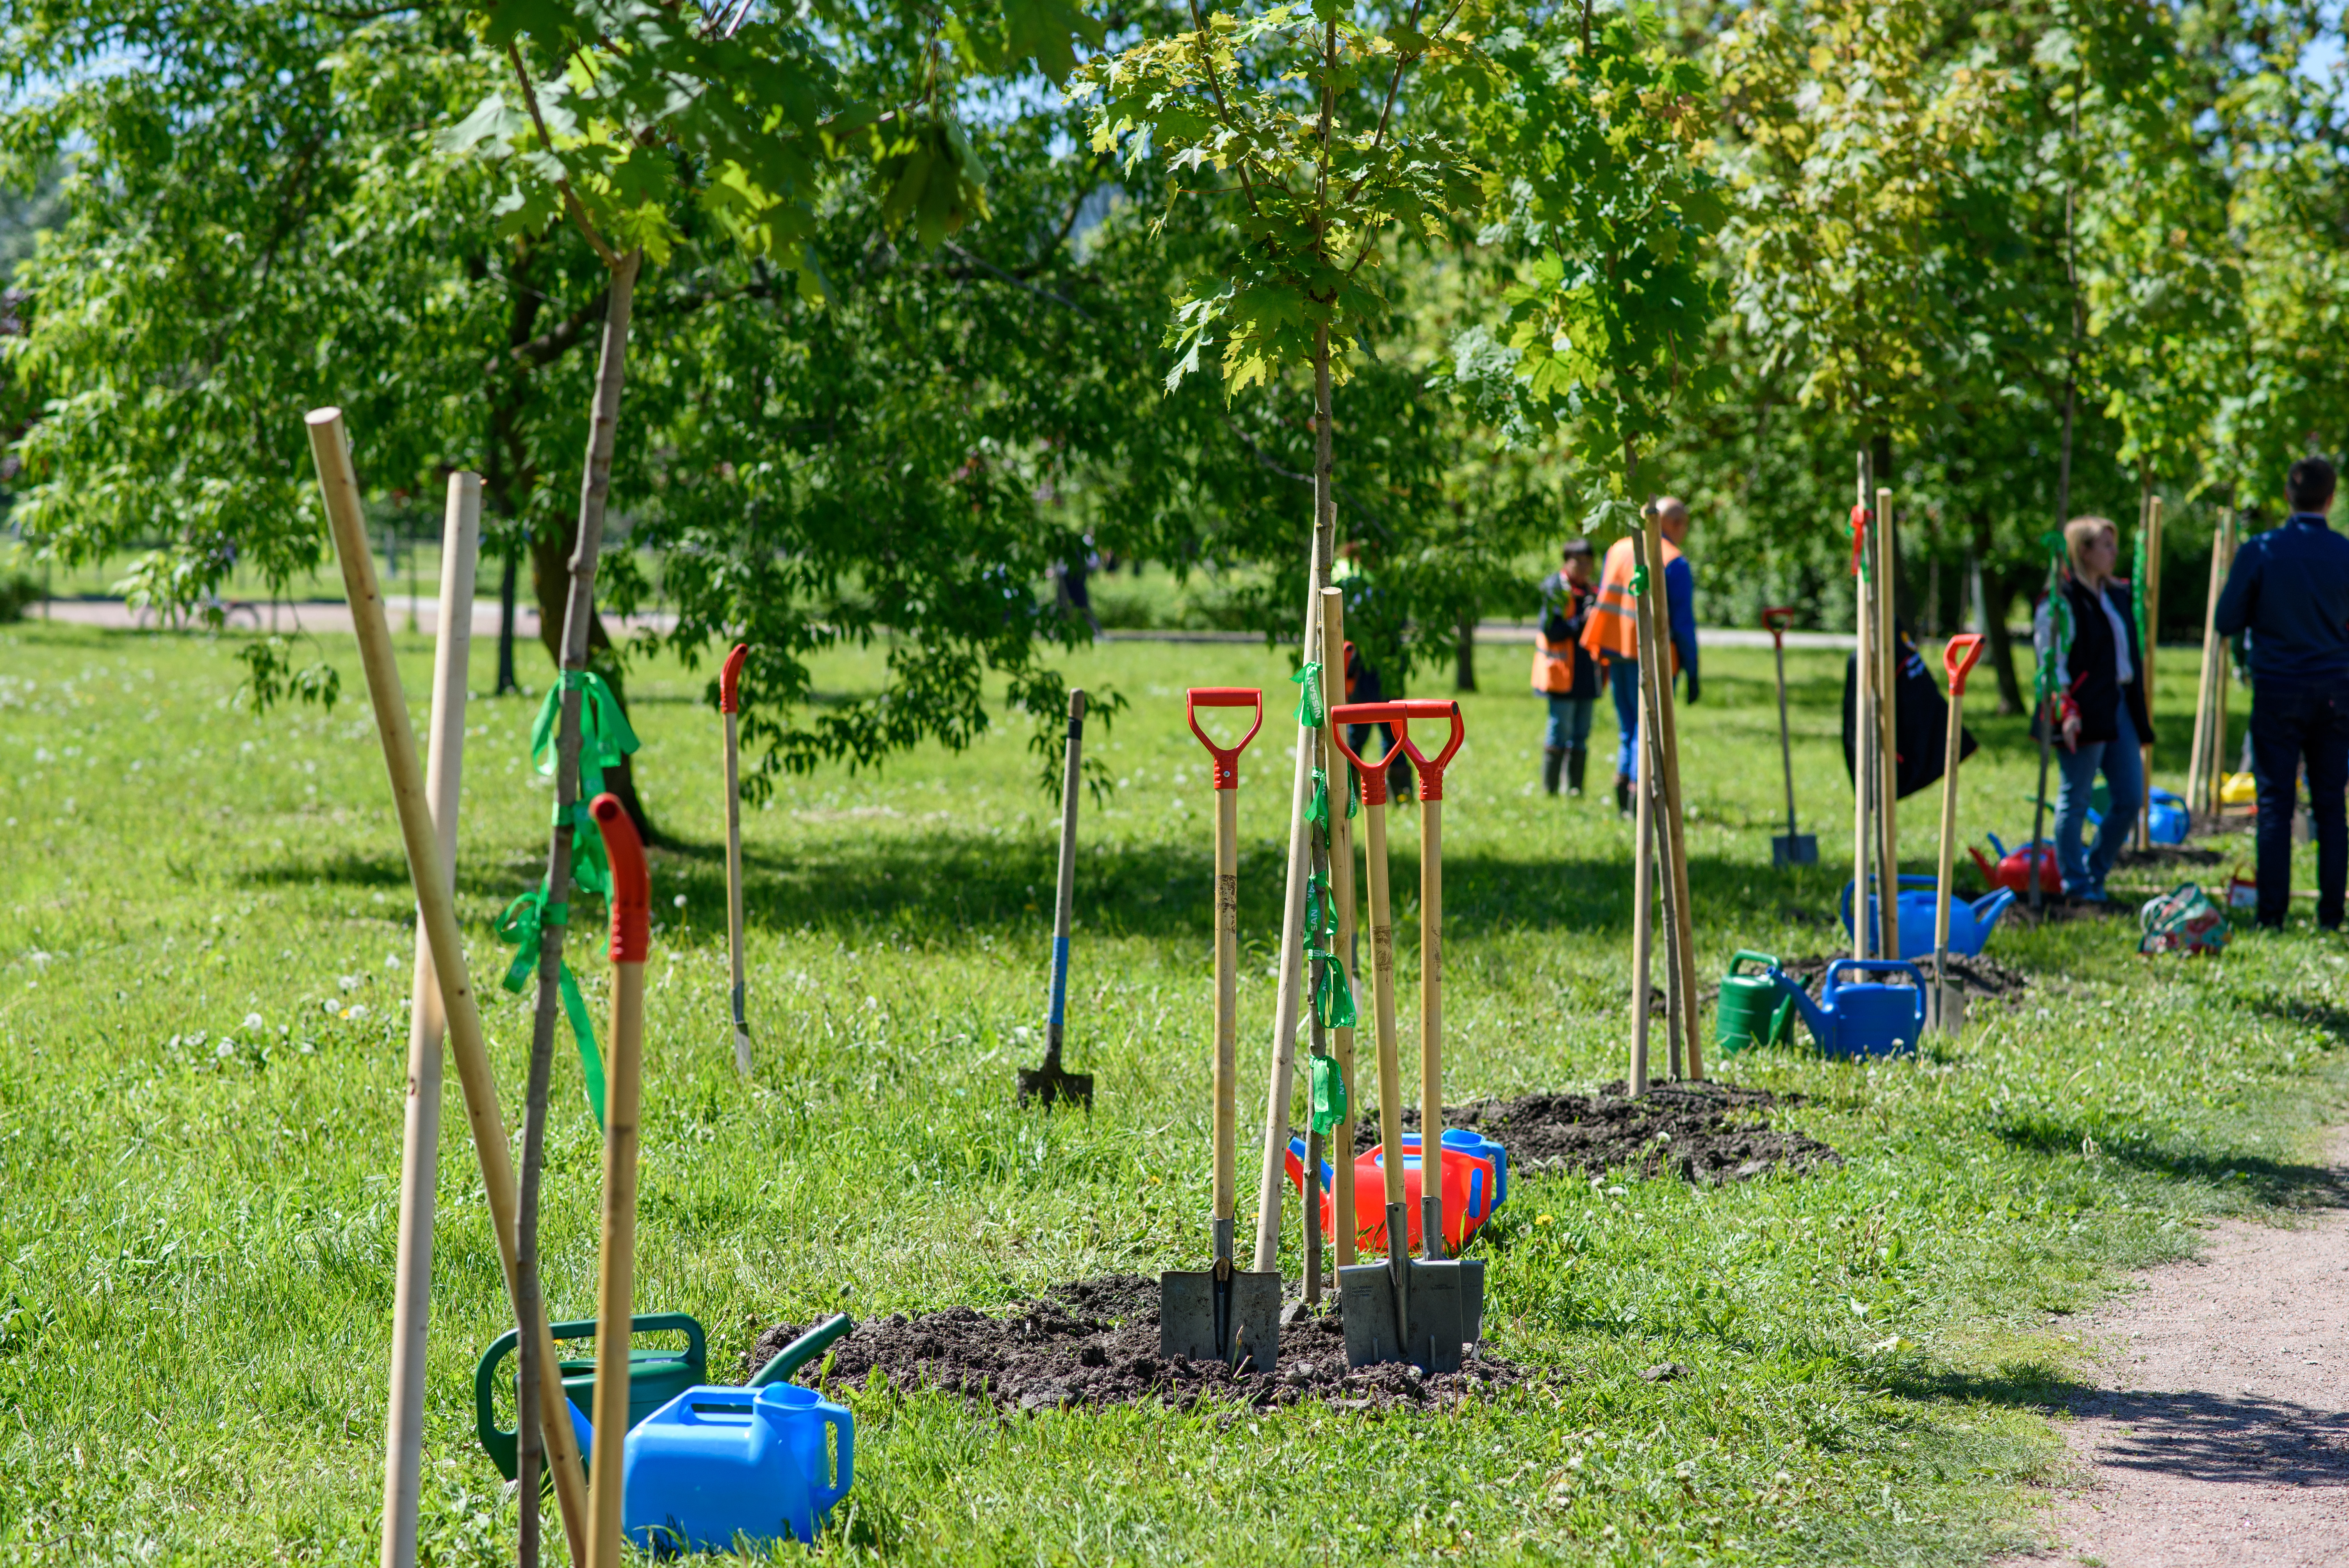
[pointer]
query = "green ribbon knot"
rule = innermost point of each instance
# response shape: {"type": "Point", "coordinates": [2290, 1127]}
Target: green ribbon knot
{"type": "Point", "coordinates": [605, 741]}
{"type": "Point", "coordinates": [1639, 580]}
{"type": "Point", "coordinates": [1310, 713]}
{"type": "Point", "coordinates": [524, 925]}
{"type": "Point", "coordinates": [2059, 615]}
{"type": "Point", "coordinates": [1333, 999]}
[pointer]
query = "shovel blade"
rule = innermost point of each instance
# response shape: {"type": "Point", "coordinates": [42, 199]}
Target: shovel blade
{"type": "Point", "coordinates": [1045, 1085]}
{"type": "Point", "coordinates": [1795, 849]}
{"type": "Point", "coordinates": [1247, 1329]}
{"type": "Point", "coordinates": [1432, 1323]}
{"type": "Point", "coordinates": [1472, 1300]}
{"type": "Point", "coordinates": [1366, 1300]}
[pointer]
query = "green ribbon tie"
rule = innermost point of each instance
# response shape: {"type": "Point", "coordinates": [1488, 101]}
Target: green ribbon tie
{"type": "Point", "coordinates": [1307, 677]}
{"type": "Point", "coordinates": [1333, 999]}
{"type": "Point", "coordinates": [605, 741]}
{"type": "Point", "coordinates": [1640, 580]}
{"type": "Point", "coordinates": [1330, 1106]}
{"type": "Point", "coordinates": [523, 923]}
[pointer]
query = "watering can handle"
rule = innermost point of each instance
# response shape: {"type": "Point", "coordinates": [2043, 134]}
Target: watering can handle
{"type": "Point", "coordinates": [844, 1430]}
{"type": "Point", "coordinates": [1743, 954]}
{"type": "Point", "coordinates": [1227, 757]}
{"type": "Point", "coordinates": [1958, 656]}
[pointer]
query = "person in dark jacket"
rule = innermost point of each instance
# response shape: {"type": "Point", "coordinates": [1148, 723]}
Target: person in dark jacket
{"type": "Point", "coordinates": [2290, 589]}
{"type": "Point", "coordinates": [2100, 701]}
{"type": "Point", "coordinates": [1563, 670]}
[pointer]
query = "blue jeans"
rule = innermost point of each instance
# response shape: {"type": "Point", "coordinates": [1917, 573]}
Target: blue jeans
{"type": "Point", "coordinates": [2292, 726]}
{"type": "Point", "coordinates": [2124, 770]}
{"type": "Point", "coordinates": [1623, 683]}
{"type": "Point", "coordinates": [1569, 722]}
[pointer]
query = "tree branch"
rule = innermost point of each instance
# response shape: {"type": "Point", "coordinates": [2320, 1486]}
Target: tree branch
{"type": "Point", "coordinates": [1223, 110]}
{"type": "Point", "coordinates": [987, 266]}
{"type": "Point", "coordinates": [570, 198]}
{"type": "Point", "coordinates": [1272, 465]}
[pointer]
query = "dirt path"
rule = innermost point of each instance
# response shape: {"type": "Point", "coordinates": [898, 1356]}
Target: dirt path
{"type": "Point", "coordinates": [2217, 1434]}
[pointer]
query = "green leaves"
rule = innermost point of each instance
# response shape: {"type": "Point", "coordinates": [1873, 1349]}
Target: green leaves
{"type": "Point", "coordinates": [1593, 184]}
{"type": "Point", "coordinates": [1234, 106]}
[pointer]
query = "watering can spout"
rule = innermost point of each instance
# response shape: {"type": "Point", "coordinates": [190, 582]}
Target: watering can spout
{"type": "Point", "coordinates": [1813, 1019]}
{"type": "Point", "coordinates": [1990, 906]}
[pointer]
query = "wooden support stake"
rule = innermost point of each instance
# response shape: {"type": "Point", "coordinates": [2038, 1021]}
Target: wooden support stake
{"type": "Point", "coordinates": [419, 1161]}
{"type": "Point", "coordinates": [1887, 752]}
{"type": "Point", "coordinates": [1341, 894]}
{"type": "Point", "coordinates": [1863, 734]}
{"type": "Point", "coordinates": [2150, 634]}
{"type": "Point", "coordinates": [1643, 868]}
{"type": "Point", "coordinates": [1689, 1047]}
{"type": "Point", "coordinates": [2201, 783]}
{"type": "Point", "coordinates": [436, 906]}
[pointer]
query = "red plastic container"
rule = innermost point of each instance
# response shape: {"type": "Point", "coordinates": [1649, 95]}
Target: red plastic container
{"type": "Point", "coordinates": [1471, 1191]}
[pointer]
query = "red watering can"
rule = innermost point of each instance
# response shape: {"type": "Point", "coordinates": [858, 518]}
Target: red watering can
{"type": "Point", "coordinates": [2014, 868]}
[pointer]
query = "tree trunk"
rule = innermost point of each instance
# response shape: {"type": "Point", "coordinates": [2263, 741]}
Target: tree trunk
{"type": "Point", "coordinates": [506, 681]}
{"type": "Point", "coordinates": [578, 613]}
{"type": "Point", "coordinates": [1465, 672]}
{"type": "Point", "coordinates": [552, 555]}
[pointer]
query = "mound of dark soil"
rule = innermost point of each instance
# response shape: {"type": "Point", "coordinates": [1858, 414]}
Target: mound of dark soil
{"type": "Point", "coordinates": [2170, 856]}
{"type": "Point", "coordinates": [1096, 1343]}
{"type": "Point", "coordinates": [1705, 1131]}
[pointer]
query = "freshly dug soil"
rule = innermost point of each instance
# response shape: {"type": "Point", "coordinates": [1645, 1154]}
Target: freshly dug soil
{"type": "Point", "coordinates": [1710, 1132]}
{"type": "Point", "coordinates": [1095, 1342]}
{"type": "Point", "coordinates": [2168, 856]}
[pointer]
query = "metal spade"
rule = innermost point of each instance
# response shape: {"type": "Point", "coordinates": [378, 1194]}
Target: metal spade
{"type": "Point", "coordinates": [1224, 1313]}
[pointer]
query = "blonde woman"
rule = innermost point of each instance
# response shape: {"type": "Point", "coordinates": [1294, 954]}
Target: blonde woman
{"type": "Point", "coordinates": [2100, 705]}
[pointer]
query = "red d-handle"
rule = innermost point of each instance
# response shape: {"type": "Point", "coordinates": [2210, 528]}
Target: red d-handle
{"type": "Point", "coordinates": [1373, 778]}
{"type": "Point", "coordinates": [1775, 620]}
{"type": "Point", "coordinates": [1227, 757]}
{"type": "Point", "coordinates": [632, 892]}
{"type": "Point", "coordinates": [1431, 770]}
{"type": "Point", "coordinates": [1958, 656]}
{"type": "Point", "coordinates": [730, 679]}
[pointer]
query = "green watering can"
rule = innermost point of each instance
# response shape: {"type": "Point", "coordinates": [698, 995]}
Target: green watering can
{"type": "Point", "coordinates": [1752, 1010]}
{"type": "Point", "coordinates": [655, 1377]}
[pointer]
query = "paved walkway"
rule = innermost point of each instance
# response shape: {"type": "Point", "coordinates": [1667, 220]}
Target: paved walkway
{"type": "Point", "coordinates": [2219, 1435]}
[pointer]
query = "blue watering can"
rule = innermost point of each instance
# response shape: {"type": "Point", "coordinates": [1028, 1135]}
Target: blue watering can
{"type": "Point", "coordinates": [1970, 923]}
{"type": "Point", "coordinates": [716, 1463]}
{"type": "Point", "coordinates": [2165, 818]}
{"type": "Point", "coordinates": [1862, 1018]}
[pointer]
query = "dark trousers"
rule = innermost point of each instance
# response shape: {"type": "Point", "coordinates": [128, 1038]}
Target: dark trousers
{"type": "Point", "coordinates": [2292, 727]}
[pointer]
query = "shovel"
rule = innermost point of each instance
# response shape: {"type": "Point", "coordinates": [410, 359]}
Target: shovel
{"type": "Point", "coordinates": [1049, 1083]}
{"type": "Point", "coordinates": [1400, 1310]}
{"type": "Point", "coordinates": [1789, 848]}
{"type": "Point", "coordinates": [1224, 1315]}
{"type": "Point", "coordinates": [1957, 657]}
{"type": "Point", "coordinates": [616, 1274]}
{"type": "Point", "coordinates": [729, 703]}
{"type": "Point", "coordinates": [1447, 1303]}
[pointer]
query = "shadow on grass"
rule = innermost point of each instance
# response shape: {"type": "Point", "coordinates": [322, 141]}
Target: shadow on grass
{"type": "Point", "coordinates": [2276, 1183]}
{"type": "Point", "coordinates": [2244, 1438]}
{"type": "Point", "coordinates": [2300, 1008]}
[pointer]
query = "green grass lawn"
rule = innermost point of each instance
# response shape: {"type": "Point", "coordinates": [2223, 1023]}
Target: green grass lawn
{"type": "Point", "coordinates": [205, 938]}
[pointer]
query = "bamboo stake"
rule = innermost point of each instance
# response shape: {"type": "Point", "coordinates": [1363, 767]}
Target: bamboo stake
{"type": "Point", "coordinates": [615, 1269]}
{"type": "Point", "coordinates": [419, 1163]}
{"type": "Point", "coordinates": [1678, 915]}
{"type": "Point", "coordinates": [1341, 894]}
{"type": "Point", "coordinates": [1957, 657]}
{"type": "Point", "coordinates": [2151, 634]}
{"type": "Point", "coordinates": [729, 703]}
{"type": "Point", "coordinates": [1887, 733]}
{"type": "Point", "coordinates": [437, 907]}
{"type": "Point", "coordinates": [2201, 791]}
{"type": "Point", "coordinates": [1644, 857]}
{"type": "Point", "coordinates": [2221, 672]}
{"type": "Point", "coordinates": [1863, 730]}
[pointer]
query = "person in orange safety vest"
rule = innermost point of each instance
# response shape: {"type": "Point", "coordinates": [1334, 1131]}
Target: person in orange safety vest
{"type": "Point", "coordinates": [1563, 673]}
{"type": "Point", "coordinates": [1610, 635]}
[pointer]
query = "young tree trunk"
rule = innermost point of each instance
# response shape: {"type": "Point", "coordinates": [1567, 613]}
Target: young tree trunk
{"type": "Point", "coordinates": [506, 681]}
{"type": "Point", "coordinates": [578, 613]}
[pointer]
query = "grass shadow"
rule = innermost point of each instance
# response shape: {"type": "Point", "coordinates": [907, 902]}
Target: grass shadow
{"type": "Point", "coordinates": [2279, 1184]}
